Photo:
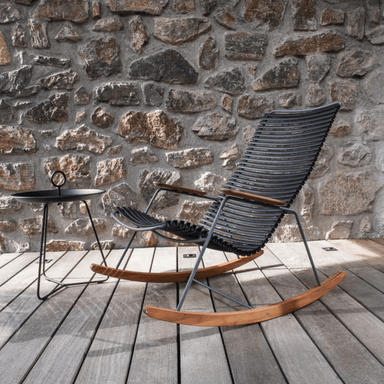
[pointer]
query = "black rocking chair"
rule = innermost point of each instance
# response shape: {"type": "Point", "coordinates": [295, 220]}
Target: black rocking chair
{"type": "Point", "coordinates": [241, 220]}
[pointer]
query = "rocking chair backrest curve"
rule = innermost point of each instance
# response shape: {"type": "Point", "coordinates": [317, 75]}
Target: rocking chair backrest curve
{"type": "Point", "coordinates": [276, 164]}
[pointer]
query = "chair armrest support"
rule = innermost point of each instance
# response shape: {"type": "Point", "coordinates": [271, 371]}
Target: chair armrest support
{"type": "Point", "coordinates": [179, 189]}
{"type": "Point", "coordinates": [250, 196]}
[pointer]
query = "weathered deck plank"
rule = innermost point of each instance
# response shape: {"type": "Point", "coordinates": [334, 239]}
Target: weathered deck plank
{"type": "Point", "coordinates": [155, 357]}
{"type": "Point", "coordinates": [247, 349]}
{"type": "Point", "coordinates": [198, 345]}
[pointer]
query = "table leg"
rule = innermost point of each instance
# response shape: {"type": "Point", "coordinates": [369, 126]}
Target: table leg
{"type": "Point", "coordinates": [43, 246]}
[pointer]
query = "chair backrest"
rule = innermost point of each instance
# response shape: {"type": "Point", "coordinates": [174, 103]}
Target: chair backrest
{"type": "Point", "coordinates": [276, 164]}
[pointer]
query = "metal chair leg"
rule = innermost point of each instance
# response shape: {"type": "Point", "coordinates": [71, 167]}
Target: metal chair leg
{"type": "Point", "coordinates": [290, 211]}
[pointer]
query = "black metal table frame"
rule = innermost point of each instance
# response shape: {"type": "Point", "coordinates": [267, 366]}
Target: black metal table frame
{"type": "Point", "coordinates": [48, 197]}
{"type": "Point", "coordinates": [42, 257]}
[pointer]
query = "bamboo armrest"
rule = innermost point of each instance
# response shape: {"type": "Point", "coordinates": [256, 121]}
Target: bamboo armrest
{"type": "Point", "coordinates": [249, 196]}
{"type": "Point", "coordinates": [177, 188]}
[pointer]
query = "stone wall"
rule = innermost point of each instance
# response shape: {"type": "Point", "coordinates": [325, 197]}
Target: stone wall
{"type": "Point", "coordinates": [119, 94]}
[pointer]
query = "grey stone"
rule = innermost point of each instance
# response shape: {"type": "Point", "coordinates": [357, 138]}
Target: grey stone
{"type": "Point", "coordinates": [101, 58]}
{"type": "Point", "coordinates": [285, 75]}
{"type": "Point", "coordinates": [9, 14]}
{"type": "Point", "coordinates": [210, 183]}
{"type": "Point", "coordinates": [143, 156]}
{"type": "Point", "coordinates": [252, 108]}
{"type": "Point", "coordinates": [55, 108]}
{"type": "Point", "coordinates": [8, 226]}
{"type": "Point", "coordinates": [323, 163]}
{"type": "Point", "coordinates": [193, 211]}
{"type": "Point", "coordinates": [147, 187]}
{"type": "Point", "coordinates": [231, 156]}
{"type": "Point", "coordinates": [299, 45]}
{"type": "Point", "coordinates": [340, 230]}
{"type": "Point", "coordinates": [67, 33]}
{"type": "Point", "coordinates": [110, 24]}
{"type": "Point", "coordinates": [118, 93]}
{"type": "Point", "coordinates": [373, 11]}
{"type": "Point", "coordinates": [190, 158]}
{"type": "Point", "coordinates": [96, 10]}
{"type": "Point", "coordinates": [51, 61]}
{"type": "Point", "coordinates": [304, 15]}
{"type": "Point", "coordinates": [80, 116]}
{"type": "Point", "coordinates": [355, 22]}
{"type": "Point", "coordinates": [39, 36]}
{"type": "Point", "coordinates": [105, 245]}
{"type": "Point", "coordinates": [109, 171]}
{"type": "Point", "coordinates": [208, 54]}
{"type": "Point", "coordinates": [148, 7]}
{"type": "Point", "coordinates": [77, 169]}
{"type": "Point", "coordinates": [216, 127]}
{"type": "Point", "coordinates": [318, 66]}
{"type": "Point", "coordinates": [120, 196]}
{"type": "Point", "coordinates": [374, 87]}
{"type": "Point", "coordinates": [332, 16]}
{"type": "Point", "coordinates": [289, 99]}
{"type": "Point", "coordinates": [18, 37]}
{"type": "Point", "coordinates": [183, 6]}
{"type": "Point", "coordinates": [9, 205]}
{"type": "Point", "coordinates": [226, 17]}
{"type": "Point", "coordinates": [181, 101]}
{"type": "Point", "coordinates": [370, 124]}
{"type": "Point", "coordinates": [16, 140]}
{"type": "Point", "coordinates": [344, 91]}
{"type": "Point", "coordinates": [155, 128]}
{"type": "Point", "coordinates": [5, 56]}
{"type": "Point", "coordinates": [6, 113]}
{"type": "Point", "coordinates": [231, 82]}
{"type": "Point", "coordinates": [354, 155]}
{"type": "Point", "coordinates": [14, 83]}
{"type": "Point", "coordinates": [308, 202]}
{"type": "Point", "coordinates": [138, 34]}
{"type": "Point", "coordinates": [340, 129]}
{"type": "Point", "coordinates": [84, 227]}
{"type": "Point", "coordinates": [113, 151]}
{"type": "Point", "coordinates": [181, 30]}
{"type": "Point", "coordinates": [65, 246]}
{"type": "Point", "coordinates": [376, 36]}
{"type": "Point", "coordinates": [347, 194]}
{"type": "Point", "coordinates": [271, 12]}
{"type": "Point", "coordinates": [354, 63]}
{"type": "Point", "coordinates": [153, 95]}
{"type": "Point", "coordinates": [227, 103]}
{"type": "Point", "coordinates": [32, 226]}
{"type": "Point", "coordinates": [168, 66]}
{"type": "Point", "coordinates": [207, 6]}
{"type": "Point", "coordinates": [60, 80]}
{"type": "Point", "coordinates": [17, 177]}
{"type": "Point", "coordinates": [82, 96]}
{"type": "Point", "coordinates": [83, 139]}
{"type": "Point", "coordinates": [63, 10]}
{"type": "Point", "coordinates": [102, 118]}
{"type": "Point", "coordinates": [315, 96]}
{"type": "Point", "coordinates": [245, 46]}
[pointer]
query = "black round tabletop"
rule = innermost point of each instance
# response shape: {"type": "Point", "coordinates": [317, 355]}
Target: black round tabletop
{"type": "Point", "coordinates": [53, 196]}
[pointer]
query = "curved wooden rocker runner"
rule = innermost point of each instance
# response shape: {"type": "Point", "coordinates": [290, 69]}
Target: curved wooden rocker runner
{"type": "Point", "coordinates": [274, 168]}
{"type": "Point", "coordinates": [173, 277]}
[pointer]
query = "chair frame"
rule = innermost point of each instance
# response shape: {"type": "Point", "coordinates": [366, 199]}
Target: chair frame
{"type": "Point", "coordinates": [248, 316]}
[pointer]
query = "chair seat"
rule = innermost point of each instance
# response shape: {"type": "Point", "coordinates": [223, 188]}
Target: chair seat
{"type": "Point", "coordinates": [186, 231]}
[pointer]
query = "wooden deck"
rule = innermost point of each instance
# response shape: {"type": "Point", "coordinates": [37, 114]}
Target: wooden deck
{"type": "Point", "coordinates": [98, 333]}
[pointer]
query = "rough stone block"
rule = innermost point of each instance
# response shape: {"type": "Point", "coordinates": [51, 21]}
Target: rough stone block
{"type": "Point", "coordinates": [168, 66]}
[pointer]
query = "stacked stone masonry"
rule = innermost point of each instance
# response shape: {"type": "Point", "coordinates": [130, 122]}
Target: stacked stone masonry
{"type": "Point", "coordinates": [120, 94]}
